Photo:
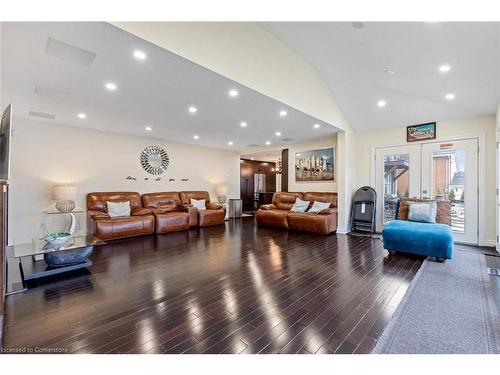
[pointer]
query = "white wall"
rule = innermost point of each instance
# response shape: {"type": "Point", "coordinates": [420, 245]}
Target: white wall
{"type": "Point", "coordinates": [311, 186]}
{"type": "Point", "coordinates": [252, 56]}
{"type": "Point", "coordinates": [45, 154]}
{"type": "Point", "coordinates": [445, 130]}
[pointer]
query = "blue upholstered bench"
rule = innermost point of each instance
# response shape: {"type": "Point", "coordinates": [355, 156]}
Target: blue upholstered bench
{"type": "Point", "coordinates": [435, 240]}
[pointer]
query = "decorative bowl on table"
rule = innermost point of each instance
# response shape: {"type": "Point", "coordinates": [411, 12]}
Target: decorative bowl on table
{"type": "Point", "coordinates": [57, 239]}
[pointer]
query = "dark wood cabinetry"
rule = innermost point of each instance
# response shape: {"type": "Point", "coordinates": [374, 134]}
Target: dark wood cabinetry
{"type": "Point", "coordinates": [248, 168]}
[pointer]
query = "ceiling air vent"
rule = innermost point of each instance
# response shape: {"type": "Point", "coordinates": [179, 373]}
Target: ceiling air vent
{"type": "Point", "coordinates": [287, 139]}
{"type": "Point", "coordinates": [47, 116]}
{"type": "Point", "coordinates": [68, 52]}
{"type": "Point", "coordinates": [51, 93]}
{"type": "Point", "coordinates": [252, 145]}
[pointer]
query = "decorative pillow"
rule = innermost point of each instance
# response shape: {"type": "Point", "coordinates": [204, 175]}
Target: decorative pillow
{"type": "Point", "coordinates": [300, 205]}
{"type": "Point", "coordinates": [199, 204]}
{"type": "Point", "coordinates": [319, 206]}
{"type": "Point", "coordinates": [116, 209]}
{"type": "Point", "coordinates": [423, 212]}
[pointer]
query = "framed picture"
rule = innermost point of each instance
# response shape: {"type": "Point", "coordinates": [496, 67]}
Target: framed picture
{"type": "Point", "coordinates": [421, 132]}
{"type": "Point", "coordinates": [315, 165]}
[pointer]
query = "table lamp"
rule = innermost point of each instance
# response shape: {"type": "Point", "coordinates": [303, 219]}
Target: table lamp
{"type": "Point", "coordinates": [221, 192]}
{"type": "Point", "coordinates": [64, 196]}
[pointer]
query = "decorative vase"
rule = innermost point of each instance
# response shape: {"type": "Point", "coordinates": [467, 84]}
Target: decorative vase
{"type": "Point", "coordinates": [65, 205]}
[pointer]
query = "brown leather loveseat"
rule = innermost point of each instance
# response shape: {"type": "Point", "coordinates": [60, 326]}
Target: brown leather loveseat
{"type": "Point", "coordinates": [278, 214]}
{"type": "Point", "coordinates": [100, 224]}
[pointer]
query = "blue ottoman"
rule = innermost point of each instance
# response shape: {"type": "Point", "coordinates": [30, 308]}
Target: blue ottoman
{"type": "Point", "coordinates": [435, 240]}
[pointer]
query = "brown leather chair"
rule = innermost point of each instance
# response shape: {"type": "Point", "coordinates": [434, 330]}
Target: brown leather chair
{"type": "Point", "coordinates": [170, 214]}
{"type": "Point", "coordinates": [100, 224]}
{"type": "Point", "coordinates": [278, 213]}
{"type": "Point", "coordinates": [213, 215]}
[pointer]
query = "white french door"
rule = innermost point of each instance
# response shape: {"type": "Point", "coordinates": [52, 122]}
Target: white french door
{"type": "Point", "coordinates": [431, 170]}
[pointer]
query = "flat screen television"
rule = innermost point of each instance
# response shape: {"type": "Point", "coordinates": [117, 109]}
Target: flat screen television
{"type": "Point", "coordinates": [5, 134]}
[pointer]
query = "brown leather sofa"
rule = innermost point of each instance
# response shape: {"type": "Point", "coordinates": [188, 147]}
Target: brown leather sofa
{"type": "Point", "coordinates": [100, 224]}
{"type": "Point", "coordinates": [213, 215]}
{"type": "Point", "coordinates": [278, 213]}
{"type": "Point", "coordinates": [163, 212]}
{"type": "Point", "coordinates": [170, 214]}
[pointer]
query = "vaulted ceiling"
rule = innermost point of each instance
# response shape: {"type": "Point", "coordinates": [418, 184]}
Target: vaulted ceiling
{"type": "Point", "coordinates": [398, 63]}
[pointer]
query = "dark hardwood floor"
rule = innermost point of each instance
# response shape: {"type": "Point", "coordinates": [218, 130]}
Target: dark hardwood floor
{"type": "Point", "coordinates": [228, 289]}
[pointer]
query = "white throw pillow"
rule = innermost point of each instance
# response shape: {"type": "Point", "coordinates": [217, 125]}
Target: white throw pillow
{"type": "Point", "coordinates": [319, 206]}
{"type": "Point", "coordinates": [300, 205]}
{"type": "Point", "coordinates": [199, 204]}
{"type": "Point", "coordinates": [424, 212]}
{"type": "Point", "coordinates": [116, 209]}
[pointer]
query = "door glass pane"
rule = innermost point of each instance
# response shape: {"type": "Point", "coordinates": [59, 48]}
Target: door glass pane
{"type": "Point", "coordinates": [448, 181]}
{"type": "Point", "coordinates": [396, 182]}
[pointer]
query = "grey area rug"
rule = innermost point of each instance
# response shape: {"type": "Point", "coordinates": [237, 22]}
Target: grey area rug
{"type": "Point", "coordinates": [448, 309]}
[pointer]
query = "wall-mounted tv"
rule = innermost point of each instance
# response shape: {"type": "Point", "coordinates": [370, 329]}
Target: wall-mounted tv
{"type": "Point", "coordinates": [5, 134]}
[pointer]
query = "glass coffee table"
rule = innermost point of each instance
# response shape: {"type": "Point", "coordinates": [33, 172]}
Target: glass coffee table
{"type": "Point", "coordinates": [39, 259]}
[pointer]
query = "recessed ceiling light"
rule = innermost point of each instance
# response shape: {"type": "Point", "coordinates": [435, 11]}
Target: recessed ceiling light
{"type": "Point", "coordinates": [444, 68]}
{"type": "Point", "coordinates": [278, 134]}
{"type": "Point", "coordinates": [230, 143]}
{"type": "Point", "coordinates": [196, 137]}
{"type": "Point", "coordinates": [82, 115]}
{"type": "Point", "coordinates": [449, 96]}
{"type": "Point", "coordinates": [268, 143]}
{"type": "Point", "coordinates": [148, 128]}
{"type": "Point", "coordinates": [192, 109]}
{"type": "Point", "coordinates": [243, 124]}
{"type": "Point", "coordinates": [139, 55]}
{"type": "Point", "coordinates": [381, 103]}
{"type": "Point", "coordinates": [233, 93]}
{"type": "Point", "coordinates": [390, 72]}
{"type": "Point", "coordinates": [283, 113]}
{"type": "Point", "coordinates": [111, 86]}
{"type": "Point", "coordinates": [317, 126]}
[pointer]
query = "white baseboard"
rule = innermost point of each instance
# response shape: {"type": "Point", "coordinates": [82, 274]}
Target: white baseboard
{"type": "Point", "coordinates": [341, 230]}
{"type": "Point", "coordinates": [488, 243]}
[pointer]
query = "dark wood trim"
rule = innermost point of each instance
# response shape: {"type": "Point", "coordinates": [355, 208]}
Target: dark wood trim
{"type": "Point", "coordinates": [284, 170]}
{"type": "Point", "coordinates": [248, 168]}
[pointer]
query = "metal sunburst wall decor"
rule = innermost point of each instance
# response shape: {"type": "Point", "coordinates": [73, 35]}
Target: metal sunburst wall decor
{"type": "Point", "coordinates": [154, 160]}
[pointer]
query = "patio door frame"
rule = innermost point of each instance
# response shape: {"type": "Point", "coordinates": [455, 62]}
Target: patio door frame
{"type": "Point", "coordinates": [481, 209]}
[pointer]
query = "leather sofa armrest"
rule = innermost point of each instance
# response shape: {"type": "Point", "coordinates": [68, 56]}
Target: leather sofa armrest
{"type": "Point", "coordinates": [328, 211]}
{"type": "Point", "coordinates": [267, 207]}
{"type": "Point", "coordinates": [214, 206]}
{"type": "Point", "coordinates": [141, 211]}
{"type": "Point", "coordinates": [94, 214]}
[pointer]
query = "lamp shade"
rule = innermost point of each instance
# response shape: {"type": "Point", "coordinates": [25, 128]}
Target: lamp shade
{"type": "Point", "coordinates": [221, 190]}
{"type": "Point", "coordinates": [64, 192]}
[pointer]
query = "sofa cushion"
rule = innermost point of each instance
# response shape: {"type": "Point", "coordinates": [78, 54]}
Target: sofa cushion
{"type": "Point", "coordinates": [272, 218]}
{"type": "Point", "coordinates": [97, 201]}
{"type": "Point", "coordinates": [118, 209]}
{"type": "Point", "coordinates": [423, 212]}
{"type": "Point", "coordinates": [171, 222]}
{"type": "Point", "coordinates": [321, 197]}
{"type": "Point", "coordinates": [163, 201]}
{"type": "Point", "coordinates": [198, 203]}
{"type": "Point", "coordinates": [300, 205]}
{"type": "Point", "coordinates": [187, 195]}
{"type": "Point", "coordinates": [319, 206]}
{"type": "Point", "coordinates": [312, 222]}
{"type": "Point", "coordinates": [285, 201]}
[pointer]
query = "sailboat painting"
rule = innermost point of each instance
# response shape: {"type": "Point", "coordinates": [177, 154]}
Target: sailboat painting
{"type": "Point", "coordinates": [315, 165]}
